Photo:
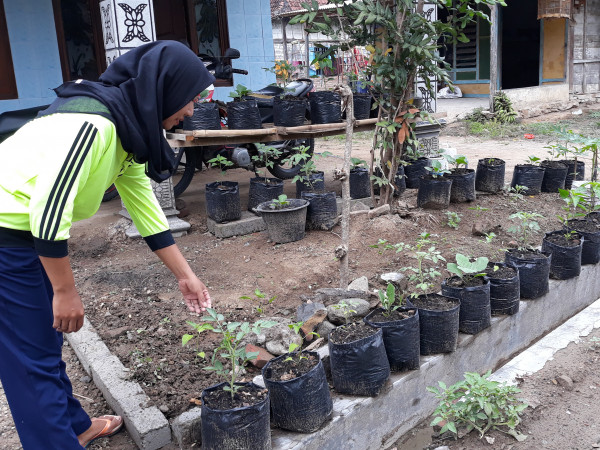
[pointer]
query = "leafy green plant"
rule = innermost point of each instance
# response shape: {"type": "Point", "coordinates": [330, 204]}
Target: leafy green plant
{"type": "Point", "coordinates": [356, 163]}
{"type": "Point", "coordinates": [222, 163]}
{"type": "Point", "coordinates": [436, 169]}
{"type": "Point", "coordinates": [517, 192]}
{"type": "Point", "coordinates": [478, 403]}
{"type": "Point", "coordinates": [479, 210]}
{"type": "Point", "coordinates": [489, 237]}
{"type": "Point", "coordinates": [308, 164]}
{"type": "Point", "coordinates": [265, 157]}
{"type": "Point", "coordinates": [464, 266]}
{"type": "Point", "coordinates": [279, 203]}
{"type": "Point", "coordinates": [346, 310]}
{"type": "Point", "coordinates": [526, 225]}
{"type": "Point", "coordinates": [388, 300]}
{"type": "Point", "coordinates": [240, 92]}
{"type": "Point", "coordinates": [503, 108]}
{"type": "Point", "coordinates": [231, 347]}
{"type": "Point", "coordinates": [534, 160]}
{"type": "Point", "coordinates": [574, 199]}
{"type": "Point", "coordinates": [457, 161]}
{"type": "Point", "coordinates": [259, 297]}
{"type": "Point", "coordinates": [454, 219]}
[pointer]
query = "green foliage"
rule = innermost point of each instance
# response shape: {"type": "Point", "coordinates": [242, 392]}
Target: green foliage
{"type": "Point", "coordinates": [503, 108]}
{"type": "Point", "coordinates": [479, 209]}
{"type": "Point", "coordinates": [436, 169]}
{"type": "Point", "coordinates": [221, 162]}
{"type": "Point", "coordinates": [464, 266]}
{"type": "Point", "coordinates": [356, 163]}
{"type": "Point", "coordinates": [345, 309]}
{"type": "Point", "coordinates": [308, 164]}
{"type": "Point", "coordinates": [454, 219]}
{"type": "Point", "coordinates": [457, 161]}
{"type": "Point", "coordinates": [260, 298]}
{"type": "Point", "coordinates": [231, 347]}
{"type": "Point", "coordinates": [265, 157]}
{"type": "Point", "coordinates": [388, 300]}
{"type": "Point", "coordinates": [517, 191]}
{"type": "Point", "coordinates": [240, 92]}
{"type": "Point", "coordinates": [534, 160]}
{"type": "Point", "coordinates": [477, 403]}
{"type": "Point", "coordinates": [280, 202]}
{"type": "Point", "coordinates": [489, 237]}
{"type": "Point", "coordinates": [525, 227]}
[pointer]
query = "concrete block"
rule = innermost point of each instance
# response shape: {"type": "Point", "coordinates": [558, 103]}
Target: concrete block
{"type": "Point", "coordinates": [187, 428]}
{"type": "Point", "coordinates": [248, 224]}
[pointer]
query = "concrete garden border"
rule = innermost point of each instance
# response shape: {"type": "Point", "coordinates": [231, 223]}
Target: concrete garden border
{"type": "Point", "coordinates": [358, 422]}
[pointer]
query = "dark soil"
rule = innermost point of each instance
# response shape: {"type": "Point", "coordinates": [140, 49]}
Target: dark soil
{"type": "Point", "coordinates": [503, 273]}
{"type": "Point", "coordinates": [437, 178]}
{"type": "Point", "coordinates": [287, 369]}
{"type": "Point", "coordinates": [528, 254]}
{"type": "Point", "coordinates": [394, 316]}
{"type": "Point", "coordinates": [560, 240]}
{"type": "Point", "coordinates": [351, 332]}
{"type": "Point", "coordinates": [466, 281]}
{"type": "Point", "coordinates": [435, 302]}
{"type": "Point", "coordinates": [587, 226]}
{"type": "Point", "coordinates": [528, 166]}
{"type": "Point", "coordinates": [493, 161]}
{"type": "Point", "coordinates": [460, 171]}
{"type": "Point", "coordinates": [553, 164]}
{"type": "Point", "coordinates": [245, 396]}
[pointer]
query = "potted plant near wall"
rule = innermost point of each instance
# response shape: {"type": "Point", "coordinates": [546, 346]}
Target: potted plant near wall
{"type": "Point", "coordinates": [285, 218]}
{"type": "Point", "coordinates": [263, 188]}
{"type": "Point", "coordinates": [505, 292]}
{"type": "Point", "coordinates": [583, 199]}
{"type": "Point", "coordinates": [243, 112]}
{"type": "Point", "coordinates": [471, 287]}
{"type": "Point", "coordinates": [463, 179]}
{"type": "Point", "coordinates": [529, 175]}
{"type": "Point", "coordinates": [234, 415]}
{"type": "Point", "coordinates": [533, 265]}
{"type": "Point", "coordinates": [434, 187]}
{"type": "Point", "coordinates": [297, 384]}
{"type": "Point", "coordinates": [222, 197]}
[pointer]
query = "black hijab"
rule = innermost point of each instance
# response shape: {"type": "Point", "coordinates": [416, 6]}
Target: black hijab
{"type": "Point", "coordinates": [140, 89]}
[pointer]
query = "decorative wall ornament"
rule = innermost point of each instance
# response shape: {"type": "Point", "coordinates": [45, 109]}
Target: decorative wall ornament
{"type": "Point", "coordinates": [134, 21]}
{"type": "Point", "coordinates": [126, 24]}
{"type": "Point", "coordinates": [429, 101]}
{"type": "Point", "coordinates": [108, 25]}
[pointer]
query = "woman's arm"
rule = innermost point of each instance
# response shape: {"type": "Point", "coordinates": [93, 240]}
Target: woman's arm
{"type": "Point", "coordinates": [194, 291]}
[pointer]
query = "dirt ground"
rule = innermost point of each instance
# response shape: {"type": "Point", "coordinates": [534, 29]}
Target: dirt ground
{"type": "Point", "coordinates": [133, 302]}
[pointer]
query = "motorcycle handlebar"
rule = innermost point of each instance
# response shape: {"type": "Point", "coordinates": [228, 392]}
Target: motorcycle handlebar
{"type": "Point", "coordinates": [240, 71]}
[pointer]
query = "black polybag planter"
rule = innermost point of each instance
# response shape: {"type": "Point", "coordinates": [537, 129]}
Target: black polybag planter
{"type": "Point", "coordinates": [399, 181]}
{"type": "Point", "coordinates": [325, 107]}
{"type": "Point", "coordinates": [360, 367]}
{"type": "Point", "coordinates": [243, 115]}
{"type": "Point", "coordinates": [362, 106]}
{"type": "Point", "coordinates": [317, 183]}
{"type": "Point", "coordinates": [530, 176]}
{"type": "Point", "coordinates": [206, 117]}
{"type": "Point", "coordinates": [434, 193]}
{"type": "Point", "coordinates": [505, 293]}
{"type": "Point", "coordinates": [260, 191]}
{"type": "Point", "coordinates": [414, 170]}
{"type": "Point", "coordinates": [490, 177]}
{"type": "Point", "coordinates": [439, 329]}
{"type": "Point", "coordinates": [571, 173]}
{"type": "Point", "coordinates": [301, 404]}
{"type": "Point", "coordinates": [322, 210]}
{"type": "Point", "coordinates": [554, 177]}
{"type": "Point", "coordinates": [534, 273]}
{"type": "Point", "coordinates": [223, 201]}
{"type": "Point", "coordinates": [237, 428]}
{"type": "Point", "coordinates": [286, 224]}
{"type": "Point", "coordinates": [475, 310]}
{"type": "Point", "coordinates": [566, 261]}
{"type": "Point", "coordinates": [360, 185]}
{"type": "Point", "coordinates": [401, 339]}
{"type": "Point", "coordinates": [590, 252]}
{"type": "Point", "coordinates": [463, 186]}
{"type": "Point", "coordinates": [289, 113]}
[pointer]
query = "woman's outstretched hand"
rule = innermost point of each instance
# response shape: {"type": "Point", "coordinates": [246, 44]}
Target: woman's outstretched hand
{"type": "Point", "coordinates": [195, 294]}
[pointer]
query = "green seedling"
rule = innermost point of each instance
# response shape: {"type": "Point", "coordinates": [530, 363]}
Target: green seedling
{"type": "Point", "coordinates": [307, 161]}
{"type": "Point", "coordinates": [525, 227]}
{"type": "Point", "coordinates": [479, 210]}
{"type": "Point", "coordinates": [240, 92]}
{"type": "Point", "coordinates": [453, 219]}
{"type": "Point", "coordinates": [221, 163]}
{"type": "Point", "coordinates": [534, 160]}
{"type": "Point", "coordinates": [346, 310]}
{"type": "Point", "coordinates": [517, 192]}
{"type": "Point", "coordinates": [356, 163]}
{"type": "Point", "coordinates": [436, 169]}
{"type": "Point", "coordinates": [280, 202]}
{"type": "Point", "coordinates": [259, 297]}
{"type": "Point", "coordinates": [388, 300]}
{"type": "Point", "coordinates": [457, 161]}
{"type": "Point", "coordinates": [489, 237]}
{"type": "Point", "coordinates": [266, 158]}
{"type": "Point", "coordinates": [464, 266]}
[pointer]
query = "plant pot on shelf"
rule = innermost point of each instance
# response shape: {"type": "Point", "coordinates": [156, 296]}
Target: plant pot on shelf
{"type": "Point", "coordinates": [590, 252]}
{"type": "Point", "coordinates": [359, 364]}
{"type": "Point", "coordinates": [463, 185]}
{"type": "Point", "coordinates": [414, 170]}
{"type": "Point", "coordinates": [206, 117]}
{"type": "Point", "coordinates": [289, 111]}
{"type": "Point", "coordinates": [474, 296]}
{"type": "Point", "coordinates": [322, 210]}
{"type": "Point", "coordinates": [505, 292]}
{"type": "Point", "coordinates": [301, 403]}
{"type": "Point", "coordinates": [401, 336]}
{"type": "Point", "coordinates": [566, 254]}
{"type": "Point", "coordinates": [325, 107]}
{"type": "Point", "coordinates": [555, 174]}
{"type": "Point", "coordinates": [231, 428]}
{"type": "Point", "coordinates": [316, 183]}
{"type": "Point", "coordinates": [438, 323]}
{"type": "Point", "coordinates": [489, 176]}
{"type": "Point", "coordinates": [223, 201]}
{"type": "Point", "coordinates": [287, 223]}
{"type": "Point", "coordinates": [534, 271]}
{"type": "Point", "coordinates": [243, 115]}
{"type": "Point", "coordinates": [573, 174]}
{"type": "Point", "coordinates": [434, 192]}
{"type": "Point", "coordinates": [263, 189]}
{"type": "Point", "coordinates": [360, 185]}
{"type": "Point", "coordinates": [362, 106]}
{"type": "Point", "coordinates": [530, 176]}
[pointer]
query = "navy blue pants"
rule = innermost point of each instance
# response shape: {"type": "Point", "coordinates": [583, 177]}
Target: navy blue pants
{"type": "Point", "coordinates": [39, 393]}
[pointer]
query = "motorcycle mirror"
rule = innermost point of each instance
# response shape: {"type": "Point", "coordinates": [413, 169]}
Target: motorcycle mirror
{"type": "Point", "coordinates": [232, 53]}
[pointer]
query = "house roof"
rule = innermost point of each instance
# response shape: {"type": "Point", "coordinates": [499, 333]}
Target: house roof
{"type": "Point", "coordinates": [290, 7]}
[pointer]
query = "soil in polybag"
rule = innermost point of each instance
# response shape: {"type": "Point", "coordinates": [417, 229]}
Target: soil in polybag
{"type": "Point", "coordinates": [359, 364]}
{"type": "Point", "coordinates": [489, 176]}
{"type": "Point", "coordinates": [555, 174]}
{"type": "Point", "coordinates": [414, 170]}
{"type": "Point", "coordinates": [289, 112]}
{"type": "Point", "coordinates": [434, 192]}
{"type": "Point", "coordinates": [263, 189]}
{"type": "Point", "coordinates": [438, 323]}
{"type": "Point", "coordinates": [322, 210]}
{"type": "Point", "coordinates": [534, 271]}
{"type": "Point", "coordinates": [206, 117]}
{"type": "Point", "coordinates": [463, 185]}
{"type": "Point", "coordinates": [300, 396]}
{"type": "Point", "coordinates": [590, 252]}
{"type": "Point", "coordinates": [223, 201]}
{"type": "Point", "coordinates": [243, 115]}
{"type": "Point", "coordinates": [360, 185]}
{"type": "Point", "coordinates": [325, 107]}
{"type": "Point", "coordinates": [315, 183]}
{"type": "Point", "coordinates": [399, 181]}
{"type": "Point", "coordinates": [401, 336]}
{"type": "Point", "coordinates": [362, 106]}
{"type": "Point", "coordinates": [505, 292]}
{"type": "Point", "coordinates": [572, 174]}
{"type": "Point", "coordinates": [474, 295]}
{"type": "Point", "coordinates": [243, 422]}
{"type": "Point", "coordinates": [566, 254]}
{"type": "Point", "coordinates": [530, 176]}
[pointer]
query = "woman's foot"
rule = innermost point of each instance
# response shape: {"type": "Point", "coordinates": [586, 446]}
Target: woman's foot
{"type": "Point", "coordinates": [103, 426]}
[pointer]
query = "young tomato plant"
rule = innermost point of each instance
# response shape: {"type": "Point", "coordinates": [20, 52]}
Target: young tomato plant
{"type": "Point", "coordinates": [524, 228]}
{"type": "Point", "coordinates": [231, 347]}
{"type": "Point", "coordinates": [259, 297]}
{"type": "Point", "coordinates": [388, 300]}
{"type": "Point", "coordinates": [265, 158]}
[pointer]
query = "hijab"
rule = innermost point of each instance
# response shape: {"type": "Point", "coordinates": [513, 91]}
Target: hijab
{"type": "Point", "coordinates": [140, 89]}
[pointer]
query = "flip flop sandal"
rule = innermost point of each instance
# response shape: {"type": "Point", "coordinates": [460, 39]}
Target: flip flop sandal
{"type": "Point", "coordinates": [113, 425]}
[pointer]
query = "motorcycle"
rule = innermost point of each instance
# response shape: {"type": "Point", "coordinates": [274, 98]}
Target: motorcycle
{"type": "Point", "coordinates": [189, 159]}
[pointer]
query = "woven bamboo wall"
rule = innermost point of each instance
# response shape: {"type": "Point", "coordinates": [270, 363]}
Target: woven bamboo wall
{"type": "Point", "coordinates": [554, 9]}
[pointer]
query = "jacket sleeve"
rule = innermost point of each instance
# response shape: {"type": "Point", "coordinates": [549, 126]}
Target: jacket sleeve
{"type": "Point", "coordinates": [136, 192]}
{"type": "Point", "coordinates": [65, 174]}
